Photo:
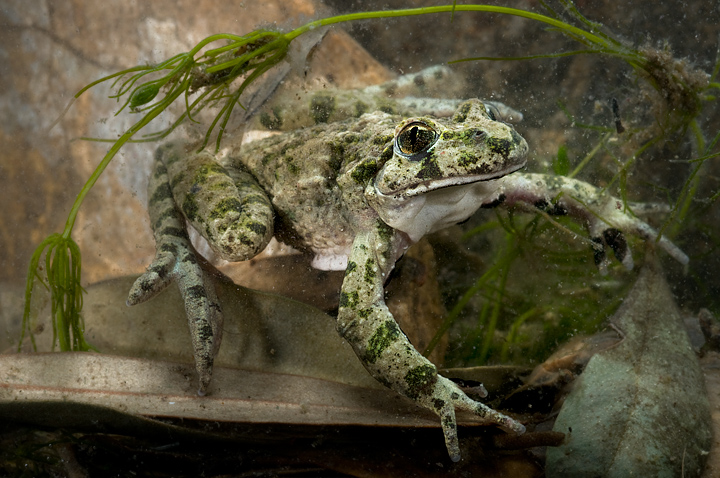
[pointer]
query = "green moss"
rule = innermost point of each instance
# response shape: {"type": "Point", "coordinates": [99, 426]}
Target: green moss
{"type": "Point", "coordinates": [223, 207]}
{"type": "Point", "coordinates": [468, 137]}
{"type": "Point", "coordinates": [429, 168]}
{"type": "Point", "coordinates": [291, 166]}
{"type": "Point", "coordinates": [462, 112]}
{"type": "Point", "coordinates": [352, 138]}
{"type": "Point", "coordinates": [386, 106]}
{"type": "Point", "coordinates": [268, 158]}
{"type": "Point", "coordinates": [272, 122]}
{"type": "Point", "coordinates": [258, 228]}
{"type": "Point", "coordinates": [190, 207]}
{"type": "Point", "coordinates": [360, 109]}
{"type": "Point", "coordinates": [386, 154]}
{"type": "Point", "coordinates": [382, 139]}
{"type": "Point", "coordinates": [221, 187]}
{"type": "Point", "coordinates": [207, 170]}
{"type": "Point", "coordinates": [474, 164]}
{"type": "Point", "coordinates": [337, 155]}
{"type": "Point", "coordinates": [384, 231]}
{"type": "Point", "coordinates": [500, 146]}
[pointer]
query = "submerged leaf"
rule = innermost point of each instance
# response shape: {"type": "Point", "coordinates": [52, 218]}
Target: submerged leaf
{"type": "Point", "coordinates": [280, 361]}
{"type": "Point", "coordinates": [144, 94]}
{"type": "Point", "coordinates": [640, 408]}
{"type": "Point", "coordinates": [561, 164]}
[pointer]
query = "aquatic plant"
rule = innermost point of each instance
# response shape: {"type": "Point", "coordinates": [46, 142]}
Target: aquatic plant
{"type": "Point", "coordinates": [206, 76]}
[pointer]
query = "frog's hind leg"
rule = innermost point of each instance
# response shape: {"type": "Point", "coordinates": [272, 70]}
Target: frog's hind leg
{"type": "Point", "coordinates": [227, 207]}
{"type": "Point", "coordinates": [176, 259]}
{"type": "Point", "coordinates": [230, 211]}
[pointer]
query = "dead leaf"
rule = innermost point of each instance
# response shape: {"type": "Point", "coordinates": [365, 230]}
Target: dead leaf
{"type": "Point", "coordinates": [639, 408]}
{"type": "Point", "coordinates": [285, 386]}
{"type": "Point", "coordinates": [280, 361]}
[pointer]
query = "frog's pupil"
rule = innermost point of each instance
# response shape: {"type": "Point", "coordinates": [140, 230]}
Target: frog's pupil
{"type": "Point", "coordinates": [413, 134]}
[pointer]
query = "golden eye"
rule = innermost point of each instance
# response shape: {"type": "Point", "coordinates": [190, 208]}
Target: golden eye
{"type": "Point", "coordinates": [415, 140]}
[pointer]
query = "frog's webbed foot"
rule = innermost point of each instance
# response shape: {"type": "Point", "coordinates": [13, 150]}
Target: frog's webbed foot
{"type": "Point", "coordinates": [608, 226]}
{"type": "Point", "coordinates": [202, 308]}
{"type": "Point", "coordinates": [176, 260]}
{"type": "Point", "coordinates": [446, 397]}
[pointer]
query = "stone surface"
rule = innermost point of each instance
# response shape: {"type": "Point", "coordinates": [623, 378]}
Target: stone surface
{"type": "Point", "coordinates": [51, 51]}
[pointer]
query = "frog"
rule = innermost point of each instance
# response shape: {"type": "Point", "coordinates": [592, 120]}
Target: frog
{"type": "Point", "coordinates": [356, 194]}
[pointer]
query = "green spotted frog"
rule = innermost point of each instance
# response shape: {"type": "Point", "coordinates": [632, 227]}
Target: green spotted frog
{"type": "Point", "coordinates": [356, 194]}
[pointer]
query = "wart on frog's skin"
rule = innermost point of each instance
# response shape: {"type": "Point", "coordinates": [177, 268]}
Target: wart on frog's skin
{"type": "Point", "coordinates": [356, 194]}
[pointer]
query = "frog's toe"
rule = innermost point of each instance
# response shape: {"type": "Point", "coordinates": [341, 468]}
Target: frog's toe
{"type": "Point", "coordinates": [157, 277]}
{"type": "Point", "coordinates": [615, 239]}
{"type": "Point", "coordinates": [648, 233]}
{"type": "Point", "coordinates": [500, 419]}
{"type": "Point", "coordinates": [204, 316]}
{"type": "Point", "coordinates": [446, 411]}
{"type": "Point", "coordinates": [206, 332]}
{"type": "Point", "coordinates": [179, 263]}
{"type": "Point", "coordinates": [448, 398]}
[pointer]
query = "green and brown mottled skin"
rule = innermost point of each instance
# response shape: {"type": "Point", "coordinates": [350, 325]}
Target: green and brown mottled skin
{"type": "Point", "coordinates": [356, 194]}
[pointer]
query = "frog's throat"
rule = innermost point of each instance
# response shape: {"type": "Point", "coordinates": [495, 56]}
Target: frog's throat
{"type": "Point", "coordinates": [438, 208]}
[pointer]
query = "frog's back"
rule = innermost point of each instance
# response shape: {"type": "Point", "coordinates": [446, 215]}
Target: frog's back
{"type": "Point", "coordinates": [299, 170]}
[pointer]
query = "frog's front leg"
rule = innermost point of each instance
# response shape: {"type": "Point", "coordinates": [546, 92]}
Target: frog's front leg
{"type": "Point", "coordinates": [228, 208]}
{"type": "Point", "coordinates": [366, 323]}
{"type": "Point", "coordinates": [605, 216]}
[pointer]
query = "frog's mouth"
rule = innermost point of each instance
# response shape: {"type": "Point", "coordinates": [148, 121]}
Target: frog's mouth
{"type": "Point", "coordinates": [433, 185]}
{"type": "Point", "coordinates": [423, 187]}
{"type": "Point", "coordinates": [434, 205]}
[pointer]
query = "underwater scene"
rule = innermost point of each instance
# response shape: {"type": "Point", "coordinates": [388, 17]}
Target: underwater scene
{"type": "Point", "coordinates": [360, 238]}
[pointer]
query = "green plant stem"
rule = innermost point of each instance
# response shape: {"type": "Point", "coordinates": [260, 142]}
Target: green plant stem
{"type": "Point", "coordinates": [514, 330]}
{"type": "Point", "coordinates": [497, 306]}
{"type": "Point", "coordinates": [594, 39]}
{"type": "Point", "coordinates": [460, 305]}
{"type": "Point", "coordinates": [590, 155]}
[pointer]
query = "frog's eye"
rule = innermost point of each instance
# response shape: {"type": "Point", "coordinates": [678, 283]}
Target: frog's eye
{"type": "Point", "coordinates": [492, 111]}
{"type": "Point", "coordinates": [415, 140]}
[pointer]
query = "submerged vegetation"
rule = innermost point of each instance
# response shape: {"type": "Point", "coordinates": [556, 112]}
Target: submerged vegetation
{"type": "Point", "coordinates": [218, 70]}
{"type": "Point", "coordinates": [503, 315]}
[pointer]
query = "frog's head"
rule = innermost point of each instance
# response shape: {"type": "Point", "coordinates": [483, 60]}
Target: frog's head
{"type": "Point", "coordinates": [470, 147]}
{"type": "Point", "coordinates": [444, 168]}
